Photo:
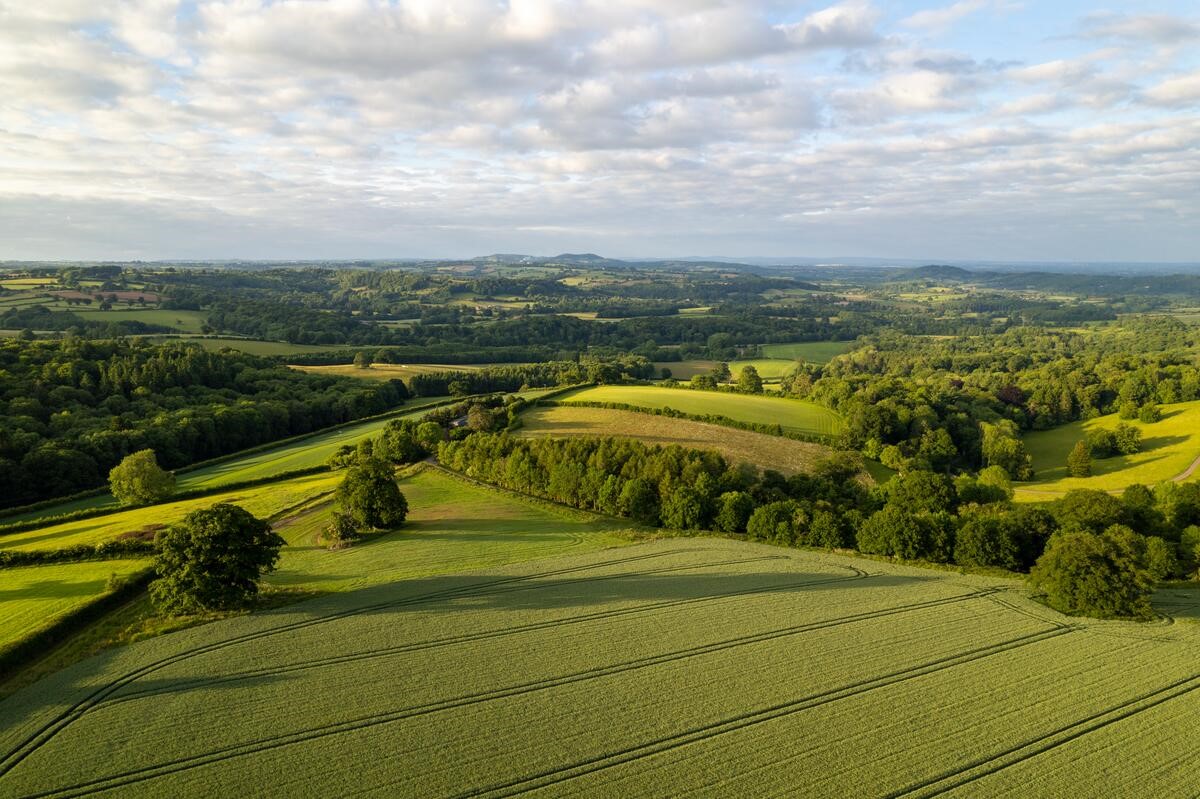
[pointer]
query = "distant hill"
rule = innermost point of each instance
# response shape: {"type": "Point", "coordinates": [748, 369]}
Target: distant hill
{"type": "Point", "coordinates": [935, 272]}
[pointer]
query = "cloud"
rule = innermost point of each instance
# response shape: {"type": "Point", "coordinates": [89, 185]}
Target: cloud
{"type": "Point", "coordinates": [941, 18]}
{"type": "Point", "coordinates": [1155, 28]}
{"type": "Point", "coordinates": [1182, 90]}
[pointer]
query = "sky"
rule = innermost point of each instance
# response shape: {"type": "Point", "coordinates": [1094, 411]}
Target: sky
{"type": "Point", "coordinates": [973, 130]}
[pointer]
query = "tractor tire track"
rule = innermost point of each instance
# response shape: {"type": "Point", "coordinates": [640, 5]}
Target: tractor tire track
{"type": "Point", "coordinates": [466, 638]}
{"type": "Point", "coordinates": [266, 744]}
{"type": "Point", "coordinates": [1033, 747]}
{"type": "Point", "coordinates": [51, 728]}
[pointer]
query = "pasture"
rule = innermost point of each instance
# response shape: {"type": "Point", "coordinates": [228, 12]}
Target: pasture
{"type": "Point", "coordinates": [183, 321]}
{"type": "Point", "coordinates": [792, 415]}
{"type": "Point", "coordinates": [768, 368]}
{"type": "Point", "coordinates": [684, 667]}
{"type": "Point", "coordinates": [739, 446]}
{"type": "Point", "coordinates": [1169, 447]}
{"type": "Point", "coordinates": [35, 597]}
{"type": "Point", "coordinates": [393, 371]}
{"type": "Point", "coordinates": [250, 345]}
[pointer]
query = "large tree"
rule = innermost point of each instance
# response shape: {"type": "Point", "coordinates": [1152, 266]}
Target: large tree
{"type": "Point", "coordinates": [369, 495]}
{"type": "Point", "coordinates": [1104, 575]}
{"type": "Point", "coordinates": [139, 480]}
{"type": "Point", "coordinates": [212, 560]}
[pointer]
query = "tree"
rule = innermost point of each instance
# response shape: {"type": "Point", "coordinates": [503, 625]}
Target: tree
{"type": "Point", "coordinates": [368, 494]}
{"type": "Point", "coordinates": [639, 500]}
{"type": "Point", "coordinates": [362, 359]}
{"type": "Point", "coordinates": [1127, 439]}
{"type": "Point", "coordinates": [212, 560]}
{"type": "Point", "coordinates": [749, 381]}
{"type": "Point", "coordinates": [1103, 575]}
{"type": "Point", "coordinates": [921, 491]}
{"type": "Point", "coordinates": [1002, 446]}
{"type": "Point", "coordinates": [720, 373]}
{"type": "Point", "coordinates": [1079, 461]}
{"type": "Point", "coordinates": [1089, 509]}
{"type": "Point", "coordinates": [1161, 560]}
{"type": "Point", "coordinates": [139, 480]}
{"type": "Point", "coordinates": [986, 541]}
{"type": "Point", "coordinates": [1149, 414]}
{"type": "Point", "coordinates": [774, 522]}
{"type": "Point", "coordinates": [733, 511]}
{"type": "Point", "coordinates": [682, 510]}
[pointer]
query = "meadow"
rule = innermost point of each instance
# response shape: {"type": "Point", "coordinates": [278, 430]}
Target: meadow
{"type": "Point", "coordinates": [811, 351]}
{"type": "Point", "coordinates": [392, 371]}
{"type": "Point", "coordinates": [739, 446]}
{"type": "Point", "coordinates": [35, 597]}
{"type": "Point", "coordinates": [1169, 447]}
{"type": "Point", "coordinates": [770, 369]}
{"type": "Point", "coordinates": [250, 345]}
{"type": "Point", "coordinates": [183, 321]}
{"type": "Point", "coordinates": [792, 415]}
{"type": "Point", "coordinates": [703, 667]}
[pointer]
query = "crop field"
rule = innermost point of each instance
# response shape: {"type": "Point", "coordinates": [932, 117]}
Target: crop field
{"type": "Point", "coordinates": [740, 446]}
{"type": "Point", "coordinates": [453, 525]}
{"type": "Point", "coordinates": [261, 500]}
{"type": "Point", "coordinates": [812, 351]}
{"type": "Point", "coordinates": [1169, 447]}
{"type": "Point", "coordinates": [794, 415]}
{"type": "Point", "coordinates": [683, 667]}
{"type": "Point", "coordinates": [34, 597]}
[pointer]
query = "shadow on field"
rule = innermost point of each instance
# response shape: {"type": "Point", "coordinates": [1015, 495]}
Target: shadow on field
{"type": "Point", "coordinates": [1158, 442]}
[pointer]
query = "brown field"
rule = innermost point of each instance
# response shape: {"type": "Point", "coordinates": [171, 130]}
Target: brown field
{"type": "Point", "coordinates": [740, 446]}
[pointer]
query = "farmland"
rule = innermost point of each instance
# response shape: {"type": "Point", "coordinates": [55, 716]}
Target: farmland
{"type": "Point", "coordinates": [35, 597]}
{"type": "Point", "coordinates": [811, 351]}
{"type": "Point", "coordinates": [262, 500]}
{"type": "Point", "coordinates": [791, 415]}
{"type": "Point", "coordinates": [699, 664]}
{"type": "Point", "coordinates": [767, 368]}
{"type": "Point", "coordinates": [741, 446]}
{"type": "Point", "coordinates": [390, 371]}
{"type": "Point", "coordinates": [1169, 447]}
{"type": "Point", "coordinates": [252, 346]}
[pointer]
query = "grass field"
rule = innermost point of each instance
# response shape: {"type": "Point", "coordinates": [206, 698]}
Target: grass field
{"type": "Point", "coordinates": [794, 415]}
{"type": "Point", "coordinates": [454, 525]}
{"type": "Point", "coordinates": [35, 597]}
{"type": "Point", "coordinates": [682, 667]}
{"type": "Point", "coordinates": [252, 346]}
{"type": "Point", "coordinates": [1168, 448]}
{"type": "Point", "coordinates": [813, 351]}
{"type": "Point", "coordinates": [262, 500]}
{"type": "Point", "coordinates": [740, 446]}
{"type": "Point", "coordinates": [183, 321]}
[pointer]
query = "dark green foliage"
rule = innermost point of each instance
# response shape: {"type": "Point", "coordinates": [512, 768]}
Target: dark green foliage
{"type": "Point", "coordinates": [921, 491]}
{"type": "Point", "coordinates": [1079, 460]}
{"type": "Point", "coordinates": [683, 509]}
{"type": "Point", "coordinates": [776, 523]}
{"type": "Point", "coordinates": [1149, 414]}
{"type": "Point", "coordinates": [904, 534]}
{"type": "Point", "coordinates": [1089, 509]}
{"type": "Point", "coordinates": [749, 380]}
{"type": "Point", "coordinates": [985, 540]}
{"type": "Point", "coordinates": [1161, 559]}
{"type": "Point", "coordinates": [1096, 574]}
{"type": "Point", "coordinates": [368, 494]}
{"type": "Point", "coordinates": [212, 560]}
{"type": "Point", "coordinates": [342, 531]}
{"type": "Point", "coordinates": [639, 500]}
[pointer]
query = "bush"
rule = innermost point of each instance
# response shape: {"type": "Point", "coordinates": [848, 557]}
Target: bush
{"type": "Point", "coordinates": [341, 532]}
{"type": "Point", "coordinates": [733, 511]}
{"type": "Point", "coordinates": [212, 560]}
{"type": "Point", "coordinates": [139, 480]}
{"type": "Point", "coordinates": [1149, 414]}
{"type": "Point", "coordinates": [370, 497]}
{"type": "Point", "coordinates": [1127, 439]}
{"type": "Point", "coordinates": [1103, 575]}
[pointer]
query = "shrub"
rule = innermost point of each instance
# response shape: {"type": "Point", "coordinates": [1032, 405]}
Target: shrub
{"type": "Point", "coordinates": [1149, 414]}
{"type": "Point", "coordinates": [212, 560]}
{"type": "Point", "coordinates": [341, 532]}
{"type": "Point", "coordinates": [1127, 439]}
{"type": "Point", "coordinates": [139, 480]}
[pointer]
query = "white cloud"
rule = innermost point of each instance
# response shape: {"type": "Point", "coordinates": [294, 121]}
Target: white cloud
{"type": "Point", "coordinates": [1181, 90]}
{"type": "Point", "coordinates": [940, 18]}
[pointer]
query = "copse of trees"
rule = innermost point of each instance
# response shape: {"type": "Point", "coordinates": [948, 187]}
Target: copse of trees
{"type": "Point", "coordinates": [1106, 574]}
{"type": "Point", "coordinates": [369, 497]}
{"type": "Point", "coordinates": [537, 375]}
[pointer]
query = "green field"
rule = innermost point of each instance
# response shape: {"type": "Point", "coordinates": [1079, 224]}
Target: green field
{"type": "Point", "coordinates": [35, 597]}
{"type": "Point", "coordinates": [261, 500]}
{"type": "Point", "coordinates": [739, 446]}
{"type": "Point", "coordinates": [1168, 448]}
{"type": "Point", "coordinates": [184, 321]}
{"type": "Point", "coordinates": [454, 525]}
{"type": "Point", "coordinates": [813, 351]}
{"type": "Point", "coordinates": [768, 368]}
{"type": "Point", "coordinates": [250, 345]}
{"type": "Point", "coordinates": [394, 371]}
{"type": "Point", "coordinates": [683, 667]}
{"type": "Point", "coordinates": [792, 415]}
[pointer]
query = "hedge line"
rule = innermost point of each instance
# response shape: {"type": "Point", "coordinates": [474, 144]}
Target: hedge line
{"type": "Point", "coordinates": [724, 421]}
{"type": "Point", "coordinates": [108, 550]}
